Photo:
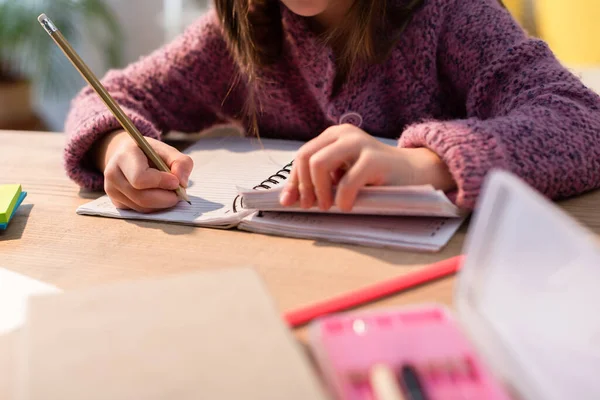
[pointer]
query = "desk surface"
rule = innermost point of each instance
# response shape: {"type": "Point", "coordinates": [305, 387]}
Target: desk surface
{"type": "Point", "coordinates": [48, 241]}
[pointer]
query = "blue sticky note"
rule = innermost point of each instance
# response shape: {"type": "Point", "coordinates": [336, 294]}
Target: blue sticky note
{"type": "Point", "coordinates": [19, 201]}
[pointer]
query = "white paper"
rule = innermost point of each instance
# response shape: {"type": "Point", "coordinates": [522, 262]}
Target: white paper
{"type": "Point", "coordinates": [15, 290]}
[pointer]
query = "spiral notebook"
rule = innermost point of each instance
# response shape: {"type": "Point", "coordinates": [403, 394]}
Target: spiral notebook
{"type": "Point", "coordinates": [223, 165]}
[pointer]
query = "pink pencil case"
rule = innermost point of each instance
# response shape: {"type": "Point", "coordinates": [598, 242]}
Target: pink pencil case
{"type": "Point", "coordinates": [426, 338]}
{"type": "Point", "coordinates": [525, 321]}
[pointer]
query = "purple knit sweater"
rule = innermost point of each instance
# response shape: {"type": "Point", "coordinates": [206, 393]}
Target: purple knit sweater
{"type": "Point", "coordinates": [464, 80]}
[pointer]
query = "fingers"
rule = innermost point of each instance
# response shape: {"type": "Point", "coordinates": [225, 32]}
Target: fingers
{"type": "Point", "coordinates": [134, 166]}
{"type": "Point", "coordinates": [122, 193]}
{"type": "Point", "coordinates": [121, 202]}
{"type": "Point", "coordinates": [321, 163]}
{"type": "Point", "coordinates": [325, 163]}
{"type": "Point", "coordinates": [120, 205]}
{"type": "Point", "coordinates": [131, 183]}
{"type": "Point", "coordinates": [300, 184]}
{"type": "Point", "coordinates": [182, 169]}
{"type": "Point", "coordinates": [338, 174]}
{"type": "Point", "coordinates": [290, 193]}
{"type": "Point", "coordinates": [362, 173]}
{"type": "Point", "coordinates": [348, 157]}
{"type": "Point", "coordinates": [302, 164]}
{"type": "Point", "coordinates": [180, 164]}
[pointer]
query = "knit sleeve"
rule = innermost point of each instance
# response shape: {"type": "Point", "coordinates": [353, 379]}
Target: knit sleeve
{"type": "Point", "coordinates": [184, 86]}
{"type": "Point", "coordinates": [524, 111]}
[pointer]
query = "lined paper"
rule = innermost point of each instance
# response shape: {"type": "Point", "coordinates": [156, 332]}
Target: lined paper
{"type": "Point", "coordinates": [220, 166]}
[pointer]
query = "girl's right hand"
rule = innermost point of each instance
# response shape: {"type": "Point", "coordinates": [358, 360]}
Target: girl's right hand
{"type": "Point", "coordinates": [129, 180]}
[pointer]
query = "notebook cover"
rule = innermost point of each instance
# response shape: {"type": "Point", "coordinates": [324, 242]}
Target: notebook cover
{"type": "Point", "coordinates": [210, 335]}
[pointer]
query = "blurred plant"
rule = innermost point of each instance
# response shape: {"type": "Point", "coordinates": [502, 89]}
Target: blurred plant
{"type": "Point", "coordinates": [27, 52]}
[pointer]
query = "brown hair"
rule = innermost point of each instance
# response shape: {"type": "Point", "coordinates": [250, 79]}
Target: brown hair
{"type": "Point", "coordinates": [254, 33]}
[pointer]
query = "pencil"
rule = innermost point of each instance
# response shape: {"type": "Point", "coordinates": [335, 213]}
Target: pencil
{"type": "Point", "coordinates": [377, 291]}
{"type": "Point", "coordinates": [112, 105]}
{"type": "Point", "coordinates": [384, 383]}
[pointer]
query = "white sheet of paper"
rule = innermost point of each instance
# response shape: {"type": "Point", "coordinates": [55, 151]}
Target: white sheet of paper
{"type": "Point", "coordinates": [15, 290]}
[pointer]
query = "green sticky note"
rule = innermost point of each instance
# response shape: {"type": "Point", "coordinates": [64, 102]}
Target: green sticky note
{"type": "Point", "coordinates": [9, 194]}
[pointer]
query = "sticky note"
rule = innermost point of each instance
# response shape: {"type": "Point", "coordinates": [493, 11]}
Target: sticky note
{"type": "Point", "coordinates": [4, 225]}
{"type": "Point", "coordinates": [9, 196]}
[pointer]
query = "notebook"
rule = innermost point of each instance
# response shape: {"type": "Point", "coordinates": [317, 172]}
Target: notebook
{"type": "Point", "coordinates": [203, 335]}
{"type": "Point", "coordinates": [223, 165]}
{"type": "Point", "coordinates": [11, 197]}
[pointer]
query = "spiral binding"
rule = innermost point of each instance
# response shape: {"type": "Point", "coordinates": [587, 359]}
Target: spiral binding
{"type": "Point", "coordinates": [268, 183]}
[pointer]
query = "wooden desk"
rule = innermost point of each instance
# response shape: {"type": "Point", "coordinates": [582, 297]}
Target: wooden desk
{"type": "Point", "coordinates": [49, 242]}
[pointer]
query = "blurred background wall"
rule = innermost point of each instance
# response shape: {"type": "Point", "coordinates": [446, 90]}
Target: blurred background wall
{"type": "Point", "coordinates": [146, 24]}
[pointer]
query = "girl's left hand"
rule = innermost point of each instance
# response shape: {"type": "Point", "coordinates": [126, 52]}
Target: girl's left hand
{"type": "Point", "coordinates": [348, 157]}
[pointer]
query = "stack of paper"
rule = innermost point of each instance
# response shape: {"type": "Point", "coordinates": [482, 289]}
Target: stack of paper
{"type": "Point", "coordinates": [11, 197]}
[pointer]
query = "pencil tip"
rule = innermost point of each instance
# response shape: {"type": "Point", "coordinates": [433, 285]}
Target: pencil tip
{"type": "Point", "coordinates": [189, 202]}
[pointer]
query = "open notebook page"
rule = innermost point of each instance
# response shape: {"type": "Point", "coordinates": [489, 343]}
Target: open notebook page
{"type": "Point", "coordinates": [220, 166]}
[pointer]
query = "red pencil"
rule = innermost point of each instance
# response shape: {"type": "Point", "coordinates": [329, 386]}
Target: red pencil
{"type": "Point", "coordinates": [303, 315]}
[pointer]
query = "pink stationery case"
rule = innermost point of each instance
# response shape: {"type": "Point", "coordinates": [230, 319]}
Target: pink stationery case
{"type": "Point", "coordinates": [524, 324]}
{"type": "Point", "coordinates": [426, 339]}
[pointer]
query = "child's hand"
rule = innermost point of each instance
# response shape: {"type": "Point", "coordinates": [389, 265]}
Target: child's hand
{"type": "Point", "coordinates": [131, 183]}
{"type": "Point", "coordinates": [349, 157]}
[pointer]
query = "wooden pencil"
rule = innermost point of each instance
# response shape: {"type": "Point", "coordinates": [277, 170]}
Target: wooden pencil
{"type": "Point", "coordinates": [112, 105]}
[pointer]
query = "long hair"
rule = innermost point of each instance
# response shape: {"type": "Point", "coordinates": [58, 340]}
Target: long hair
{"type": "Point", "coordinates": [254, 33]}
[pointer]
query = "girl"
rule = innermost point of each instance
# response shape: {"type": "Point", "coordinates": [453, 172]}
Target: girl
{"type": "Point", "coordinates": [457, 81]}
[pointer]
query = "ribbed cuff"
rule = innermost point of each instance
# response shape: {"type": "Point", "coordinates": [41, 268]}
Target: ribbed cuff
{"type": "Point", "coordinates": [83, 136]}
{"type": "Point", "coordinates": [468, 149]}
